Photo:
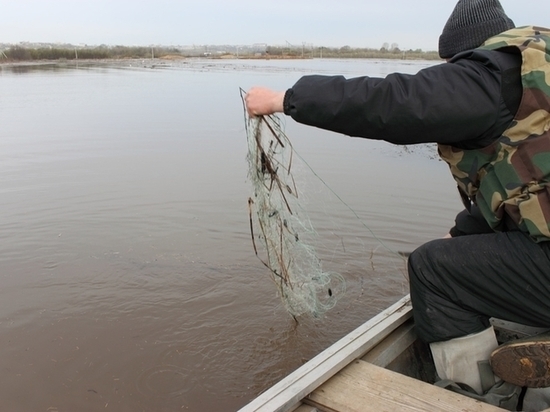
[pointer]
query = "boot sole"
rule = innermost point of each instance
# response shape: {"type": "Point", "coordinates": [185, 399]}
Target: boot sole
{"type": "Point", "coordinates": [523, 363]}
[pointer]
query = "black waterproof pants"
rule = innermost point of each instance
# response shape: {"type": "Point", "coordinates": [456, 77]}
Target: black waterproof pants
{"type": "Point", "coordinates": [457, 284]}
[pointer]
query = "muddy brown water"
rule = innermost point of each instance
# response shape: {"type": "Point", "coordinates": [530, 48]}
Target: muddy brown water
{"type": "Point", "coordinates": [128, 281]}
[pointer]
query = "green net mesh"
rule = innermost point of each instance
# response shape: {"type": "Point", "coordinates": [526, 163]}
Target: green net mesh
{"type": "Point", "coordinates": [282, 234]}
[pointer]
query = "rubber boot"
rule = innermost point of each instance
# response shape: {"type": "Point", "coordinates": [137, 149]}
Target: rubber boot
{"type": "Point", "coordinates": [524, 362]}
{"type": "Point", "coordinates": [458, 359]}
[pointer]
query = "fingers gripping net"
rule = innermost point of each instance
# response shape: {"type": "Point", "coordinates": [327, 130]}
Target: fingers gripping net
{"type": "Point", "coordinates": [282, 234]}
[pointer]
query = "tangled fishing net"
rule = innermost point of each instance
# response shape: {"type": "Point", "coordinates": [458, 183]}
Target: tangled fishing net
{"type": "Point", "coordinates": [282, 234]}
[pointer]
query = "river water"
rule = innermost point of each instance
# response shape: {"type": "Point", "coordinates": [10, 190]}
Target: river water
{"type": "Point", "coordinates": [128, 280]}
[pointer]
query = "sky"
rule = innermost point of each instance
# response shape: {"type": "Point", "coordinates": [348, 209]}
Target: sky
{"type": "Point", "coordinates": [411, 24]}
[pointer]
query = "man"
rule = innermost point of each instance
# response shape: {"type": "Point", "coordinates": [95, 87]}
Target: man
{"type": "Point", "coordinates": [488, 110]}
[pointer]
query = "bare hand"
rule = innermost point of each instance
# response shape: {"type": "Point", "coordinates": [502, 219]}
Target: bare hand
{"type": "Point", "coordinates": [262, 101]}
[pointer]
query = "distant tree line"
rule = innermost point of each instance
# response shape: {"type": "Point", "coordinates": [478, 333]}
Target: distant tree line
{"type": "Point", "coordinates": [385, 52]}
{"type": "Point", "coordinates": [18, 53]}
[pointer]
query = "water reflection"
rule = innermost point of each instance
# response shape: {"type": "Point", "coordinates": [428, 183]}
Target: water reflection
{"type": "Point", "coordinates": [26, 68]}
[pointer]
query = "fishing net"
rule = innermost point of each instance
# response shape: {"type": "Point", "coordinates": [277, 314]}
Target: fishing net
{"type": "Point", "coordinates": [282, 234]}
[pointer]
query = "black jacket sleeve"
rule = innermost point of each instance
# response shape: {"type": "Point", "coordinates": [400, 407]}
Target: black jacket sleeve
{"type": "Point", "coordinates": [450, 103]}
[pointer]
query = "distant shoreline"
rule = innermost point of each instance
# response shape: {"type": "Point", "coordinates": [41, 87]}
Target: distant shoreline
{"type": "Point", "coordinates": [167, 60]}
{"type": "Point", "coordinates": [103, 53]}
{"type": "Point", "coordinates": [192, 63]}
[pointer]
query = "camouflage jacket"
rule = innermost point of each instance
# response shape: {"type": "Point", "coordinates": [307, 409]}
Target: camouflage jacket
{"type": "Point", "coordinates": [511, 176]}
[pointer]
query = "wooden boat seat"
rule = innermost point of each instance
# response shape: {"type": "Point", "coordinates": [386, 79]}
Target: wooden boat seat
{"type": "Point", "coordinates": [362, 386]}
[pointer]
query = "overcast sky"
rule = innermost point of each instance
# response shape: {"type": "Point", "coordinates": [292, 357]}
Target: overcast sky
{"type": "Point", "coordinates": [411, 24]}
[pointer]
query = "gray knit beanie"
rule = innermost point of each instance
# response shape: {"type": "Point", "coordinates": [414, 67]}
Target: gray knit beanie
{"type": "Point", "coordinates": [471, 23]}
